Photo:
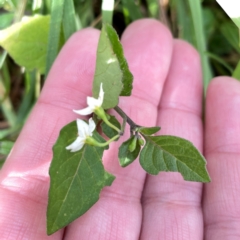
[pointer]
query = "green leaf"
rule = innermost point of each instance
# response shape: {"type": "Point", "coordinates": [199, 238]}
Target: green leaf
{"type": "Point", "coordinates": [236, 73]}
{"type": "Point", "coordinates": [201, 44]}
{"type": "Point", "coordinates": [85, 13]}
{"type": "Point", "coordinates": [76, 179]}
{"type": "Point", "coordinates": [149, 130]}
{"type": "Point", "coordinates": [153, 8]}
{"type": "Point", "coordinates": [131, 9]}
{"type": "Point", "coordinates": [1, 163]}
{"type": "Point", "coordinates": [236, 21]}
{"type": "Point", "coordinates": [5, 101]}
{"type": "Point", "coordinates": [108, 131]}
{"type": "Point", "coordinates": [68, 21]}
{"type": "Point", "coordinates": [230, 32]}
{"type": "Point", "coordinates": [54, 36]}
{"type": "Point", "coordinates": [126, 156]}
{"type": "Point", "coordinates": [6, 20]}
{"type": "Point", "coordinates": [26, 42]}
{"type": "Point", "coordinates": [111, 69]}
{"type": "Point", "coordinates": [12, 131]}
{"type": "Point", "coordinates": [28, 98]}
{"type": "Point", "coordinates": [184, 21]}
{"type": "Point", "coordinates": [174, 154]}
{"type": "Point", "coordinates": [220, 60]}
{"type": "Point", "coordinates": [5, 147]}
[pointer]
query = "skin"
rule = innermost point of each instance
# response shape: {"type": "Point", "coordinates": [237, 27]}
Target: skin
{"type": "Point", "coordinates": [167, 92]}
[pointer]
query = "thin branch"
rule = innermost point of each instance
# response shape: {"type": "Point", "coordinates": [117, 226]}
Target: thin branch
{"type": "Point", "coordinates": [132, 124]}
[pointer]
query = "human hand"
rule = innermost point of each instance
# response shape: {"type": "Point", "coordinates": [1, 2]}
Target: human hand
{"type": "Point", "coordinates": [168, 93]}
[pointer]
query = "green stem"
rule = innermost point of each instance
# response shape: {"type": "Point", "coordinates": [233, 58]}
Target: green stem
{"type": "Point", "coordinates": [101, 114]}
{"type": "Point", "coordinates": [98, 144]}
{"type": "Point", "coordinates": [123, 125]}
{"type": "Point", "coordinates": [132, 124]}
{"type": "Point", "coordinates": [111, 125]}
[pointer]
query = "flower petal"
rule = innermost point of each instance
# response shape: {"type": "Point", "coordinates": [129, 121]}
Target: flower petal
{"type": "Point", "coordinates": [76, 145]}
{"type": "Point", "coordinates": [93, 102]}
{"type": "Point", "coordinates": [91, 126]}
{"type": "Point", "coordinates": [82, 128]}
{"type": "Point", "coordinates": [85, 111]}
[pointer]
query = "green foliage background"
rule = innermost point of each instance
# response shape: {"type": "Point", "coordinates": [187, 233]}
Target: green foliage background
{"type": "Point", "coordinates": [202, 23]}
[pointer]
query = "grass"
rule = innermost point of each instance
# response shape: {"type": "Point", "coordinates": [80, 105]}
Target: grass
{"type": "Point", "coordinates": [202, 23]}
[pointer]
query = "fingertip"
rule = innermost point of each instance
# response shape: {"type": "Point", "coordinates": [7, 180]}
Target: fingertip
{"type": "Point", "coordinates": [224, 84]}
{"type": "Point", "coordinates": [87, 33]}
{"type": "Point", "coordinates": [148, 46]}
{"type": "Point", "coordinates": [222, 90]}
{"type": "Point", "coordinates": [148, 27]}
{"type": "Point", "coordinates": [73, 68]}
{"type": "Point", "coordinates": [183, 88]}
{"type": "Point", "coordinates": [188, 52]}
{"type": "Point", "coordinates": [78, 47]}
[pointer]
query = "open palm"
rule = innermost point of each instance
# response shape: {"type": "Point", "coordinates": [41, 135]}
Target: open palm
{"type": "Point", "coordinates": [167, 92]}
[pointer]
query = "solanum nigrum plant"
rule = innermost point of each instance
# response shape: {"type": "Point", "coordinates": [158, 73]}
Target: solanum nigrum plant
{"type": "Point", "coordinates": [77, 174]}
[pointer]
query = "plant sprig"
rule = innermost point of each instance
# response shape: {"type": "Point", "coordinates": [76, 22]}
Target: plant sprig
{"type": "Point", "coordinates": [77, 173]}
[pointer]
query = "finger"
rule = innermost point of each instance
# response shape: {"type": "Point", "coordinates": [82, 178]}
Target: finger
{"type": "Point", "coordinates": [117, 215]}
{"type": "Point", "coordinates": [66, 88]}
{"type": "Point", "coordinates": [171, 206]}
{"type": "Point", "coordinates": [24, 178]}
{"type": "Point", "coordinates": [222, 150]}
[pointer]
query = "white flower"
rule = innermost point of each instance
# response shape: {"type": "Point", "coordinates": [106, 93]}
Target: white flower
{"type": "Point", "coordinates": [93, 103]}
{"type": "Point", "coordinates": [84, 131]}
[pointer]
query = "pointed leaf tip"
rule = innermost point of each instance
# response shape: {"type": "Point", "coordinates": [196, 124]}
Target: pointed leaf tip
{"type": "Point", "coordinates": [111, 69]}
{"type": "Point", "coordinates": [173, 154]}
{"type": "Point", "coordinates": [149, 130]}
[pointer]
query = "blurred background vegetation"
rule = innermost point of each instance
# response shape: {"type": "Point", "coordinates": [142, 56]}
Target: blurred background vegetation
{"type": "Point", "coordinates": [202, 23]}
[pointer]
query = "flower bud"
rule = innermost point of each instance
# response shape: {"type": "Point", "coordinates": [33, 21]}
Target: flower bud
{"type": "Point", "coordinates": [132, 145]}
{"type": "Point", "coordinates": [141, 141]}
